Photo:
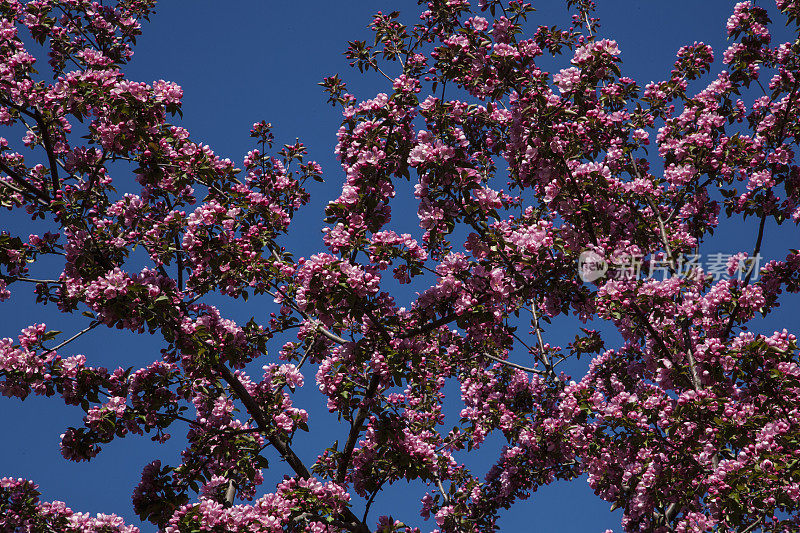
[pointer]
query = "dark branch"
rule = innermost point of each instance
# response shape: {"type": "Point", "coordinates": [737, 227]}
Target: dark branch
{"type": "Point", "coordinates": [42, 197]}
{"type": "Point", "coordinates": [48, 147]}
{"type": "Point", "coordinates": [354, 524]}
{"type": "Point", "coordinates": [355, 428]}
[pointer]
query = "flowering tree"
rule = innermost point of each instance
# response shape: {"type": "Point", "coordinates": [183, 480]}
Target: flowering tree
{"type": "Point", "coordinates": [690, 423]}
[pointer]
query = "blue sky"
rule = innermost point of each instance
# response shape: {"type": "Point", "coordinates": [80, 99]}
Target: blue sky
{"type": "Point", "coordinates": [253, 60]}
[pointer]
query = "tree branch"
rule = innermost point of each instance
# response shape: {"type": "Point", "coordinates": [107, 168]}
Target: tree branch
{"type": "Point", "coordinates": [318, 325]}
{"type": "Point", "coordinates": [753, 525]}
{"type": "Point", "coordinates": [690, 355]}
{"type": "Point", "coordinates": [43, 198]}
{"type": "Point", "coordinates": [82, 332]}
{"type": "Point", "coordinates": [355, 427]}
{"type": "Point", "coordinates": [32, 280]}
{"type": "Point", "coordinates": [23, 192]}
{"type": "Point", "coordinates": [430, 326]}
{"type": "Point", "coordinates": [277, 442]}
{"type": "Point", "coordinates": [512, 365]}
{"type": "Point", "coordinates": [48, 147]}
{"type": "Point", "coordinates": [747, 278]}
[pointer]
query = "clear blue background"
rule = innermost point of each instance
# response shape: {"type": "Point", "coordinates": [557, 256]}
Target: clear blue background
{"type": "Point", "coordinates": [243, 61]}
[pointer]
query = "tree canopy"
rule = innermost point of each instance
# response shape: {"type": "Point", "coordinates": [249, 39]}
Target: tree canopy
{"type": "Point", "coordinates": [547, 186]}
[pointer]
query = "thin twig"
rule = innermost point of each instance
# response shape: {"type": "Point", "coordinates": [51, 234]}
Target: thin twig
{"type": "Point", "coordinates": [372, 499]}
{"type": "Point", "coordinates": [512, 365]}
{"type": "Point", "coordinates": [80, 333]}
{"type": "Point", "coordinates": [32, 280]}
{"type": "Point", "coordinates": [545, 359]}
{"type": "Point", "coordinates": [305, 355]}
{"type": "Point", "coordinates": [753, 525]}
{"type": "Point", "coordinates": [375, 65]}
{"type": "Point", "coordinates": [661, 227]}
